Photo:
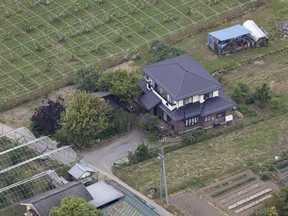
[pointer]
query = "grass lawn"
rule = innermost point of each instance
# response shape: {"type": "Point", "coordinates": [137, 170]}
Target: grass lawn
{"type": "Point", "coordinates": [200, 164]}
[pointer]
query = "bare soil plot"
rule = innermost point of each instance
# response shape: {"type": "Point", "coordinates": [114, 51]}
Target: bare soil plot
{"type": "Point", "coordinates": [190, 204]}
{"type": "Point", "coordinates": [240, 194]}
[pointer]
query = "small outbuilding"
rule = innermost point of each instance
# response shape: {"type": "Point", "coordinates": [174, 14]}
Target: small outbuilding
{"type": "Point", "coordinates": [81, 170]}
{"type": "Point", "coordinates": [109, 98]}
{"type": "Point", "coordinates": [41, 204]}
{"type": "Point", "coordinates": [230, 39]}
{"type": "Point", "coordinates": [258, 35]}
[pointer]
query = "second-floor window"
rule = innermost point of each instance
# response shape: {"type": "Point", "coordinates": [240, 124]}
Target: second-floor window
{"type": "Point", "coordinates": [208, 95]}
{"type": "Point", "coordinates": [170, 100]}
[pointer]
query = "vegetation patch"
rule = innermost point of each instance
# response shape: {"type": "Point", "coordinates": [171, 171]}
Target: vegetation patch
{"type": "Point", "coordinates": [232, 187]}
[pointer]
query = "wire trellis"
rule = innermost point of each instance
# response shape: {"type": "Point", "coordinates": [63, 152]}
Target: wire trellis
{"type": "Point", "coordinates": [44, 43]}
{"type": "Point", "coordinates": [28, 165]}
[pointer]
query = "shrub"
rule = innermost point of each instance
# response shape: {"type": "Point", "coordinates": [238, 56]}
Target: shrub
{"type": "Point", "coordinates": [191, 137]}
{"type": "Point", "coordinates": [142, 153]}
{"type": "Point", "coordinates": [148, 122]}
{"type": "Point", "coordinates": [87, 78]}
{"type": "Point", "coordinates": [247, 111]}
{"type": "Point", "coordinates": [241, 92]}
{"type": "Point", "coordinates": [161, 51]}
{"type": "Point", "coordinates": [265, 176]}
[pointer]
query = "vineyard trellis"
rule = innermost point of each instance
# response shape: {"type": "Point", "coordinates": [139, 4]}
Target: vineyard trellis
{"type": "Point", "coordinates": [43, 43]}
{"type": "Point", "coordinates": [28, 166]}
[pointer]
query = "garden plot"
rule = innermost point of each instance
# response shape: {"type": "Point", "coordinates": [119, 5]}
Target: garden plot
{"type": "Point", "coordinates": [240, 194]}
{"type": "Point", "coordinates": [44, 42]}
{"type": "Point", "coordinates": [191, 205]}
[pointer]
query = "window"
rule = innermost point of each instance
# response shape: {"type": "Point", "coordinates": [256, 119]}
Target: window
{"type": "Point", "coordinates": [219, 115]}
{"type": "Point", "coordinates": [170, 100]}
{"type": "Point", "coordinates": [191, 121]}
{"type": "Point", "coordinates": [208, 118]}
{"type": "Point", "coordinates": [208, 95]}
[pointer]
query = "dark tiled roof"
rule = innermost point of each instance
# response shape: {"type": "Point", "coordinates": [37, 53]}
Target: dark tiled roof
{"type": "Point", "coordinates": [216, 104]}
{"type": "Point", "coordinates": [210, 106]}
{"type": "Point", "coordinates": [182, 77]}
{"type": "Point", "coordinates": [192, 109]}
{"type": "Point", "coordinates": [128, 206]}
{"type": "Point", "coordinates": [149, 100]}
{"type": "Point", "coordinates": [45, 201]}
{"type": "Point", "coordinates": [143, 84]}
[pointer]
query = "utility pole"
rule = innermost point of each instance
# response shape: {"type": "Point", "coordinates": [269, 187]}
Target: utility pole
{"type": "Point", "coordinates": [161, 157]}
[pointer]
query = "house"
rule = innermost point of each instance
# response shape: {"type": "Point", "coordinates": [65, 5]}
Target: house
{"type": "Point", "coordinates": [258, 35]}
{"type": "Point", "coordinates": [41, 204]}
{"type": "Point", "coordinates": [183, 94]}
{"type": "Point", "coordinates": [81, 170]}
{"type": "Point", "coordinates": [230, 39]}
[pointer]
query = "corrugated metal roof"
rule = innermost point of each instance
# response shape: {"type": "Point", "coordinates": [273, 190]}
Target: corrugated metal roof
{"type": "Point", "coordinates": [149, 100]}
{"type": "Point", "coordinates": [230, 32]}
{"type": "Point", "coordinates": [79, 169]}
{"type": "Point", "coordinates": [45, 201]}
{"type": "Point", "coordinates": [129, 206]}
{"type": "Point", "coordinates": [181, 77]}
{"type": "Point", "coordinates": [103, 193]}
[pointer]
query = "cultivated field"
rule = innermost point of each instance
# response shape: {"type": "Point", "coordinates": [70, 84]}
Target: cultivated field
{"type": "Point", "coordinates": [44, 42]}
{"type": "Point", "coordinates": [200, 164]}
{"type": "Point", "coordinates": [240, 194]}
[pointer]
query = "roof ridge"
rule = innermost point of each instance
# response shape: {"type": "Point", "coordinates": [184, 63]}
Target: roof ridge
{"type": "Point", "coordinates": [59, 191]}
{"type": "Point", "coordinates": [78, 165]}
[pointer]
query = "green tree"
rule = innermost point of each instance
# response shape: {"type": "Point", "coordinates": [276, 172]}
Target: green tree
{"type": "Point", "coordinates": [87, 78]}
{"type": "Point", "coordinates": [241, 92]}
{"type": "Point", "coordinates": [75, 206]}
{"type": "Point", "coordinates": [262, 93]}
{"type": "Point", "coordinates": [121, 83]}
{"type": "Point", "coordinates": [141, 153]}
{"type": "Point", "coordinates": [161, 51]}
{"type": "Point", "coordinates": [86, 117]}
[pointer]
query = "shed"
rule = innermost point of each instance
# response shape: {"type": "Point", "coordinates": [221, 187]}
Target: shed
{"type": "Point", "coordinates": [81, 170]}
{"type": "Point", "coordinates": [259, 36]}
{"type": "Point", "coordinates": [230, 39]}
{"type": "Point", "coordinates": [109, 98]}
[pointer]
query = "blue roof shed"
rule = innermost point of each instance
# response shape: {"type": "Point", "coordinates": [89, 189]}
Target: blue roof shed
{"type": "Point", "coordinates": [230, 32]}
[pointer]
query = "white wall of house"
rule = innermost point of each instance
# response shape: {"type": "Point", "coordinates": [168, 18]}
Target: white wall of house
{"type": "Point", "coordinates": [215, 93]}
{"type": "Point", "coordinates": [180, 103]}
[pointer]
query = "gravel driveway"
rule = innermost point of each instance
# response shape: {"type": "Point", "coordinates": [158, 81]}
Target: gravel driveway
{"type": "Point", "coordinates": [105, 154]}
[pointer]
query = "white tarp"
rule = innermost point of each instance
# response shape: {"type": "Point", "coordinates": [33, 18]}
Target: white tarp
{"type": "Point", "coordinates": [228, 118]}
{"type": "Point", "coordinates": [256, 32]}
